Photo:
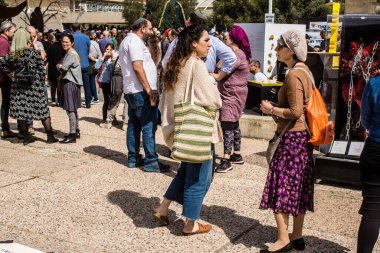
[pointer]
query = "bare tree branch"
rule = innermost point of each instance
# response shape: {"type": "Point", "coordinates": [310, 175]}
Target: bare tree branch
{"type": "Point", "coordinates": [51, 11]}
{"type": "Point", "coordinates": [25, 11]}
{"type": "Point", "coordinates": [54, 12]}
{"type": "Point", "coordinates": [48, 7]}
{"type": "Point", "coordinates": [26, 22]}
{"type": "Point", "coordinates": [52, 16]}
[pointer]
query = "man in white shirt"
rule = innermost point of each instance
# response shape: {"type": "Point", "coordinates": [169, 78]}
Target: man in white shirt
{"type": "Point", "coordinates": [218, 51]}
{"type": "Point", "coordinates": [140, 88]}
{"type": "Point", "coordinates": [256, 74]}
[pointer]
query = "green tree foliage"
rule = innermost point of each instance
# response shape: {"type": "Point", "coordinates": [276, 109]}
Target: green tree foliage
{"type": "Point", "coordinates": [154, 9]}
{"type": "Point", "coordinates": [133, 9]}
{"type": "Point", "coordinates": [227, 12]}
{"type": "Point", "coordinates": [172, 16]}
{"type": "Point", "coordinates": [2, 3]}
{"type": "Point", "coordinates": [289, 11]}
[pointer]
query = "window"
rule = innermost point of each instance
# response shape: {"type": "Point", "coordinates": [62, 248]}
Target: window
{"type": "Point", "coordinates": [93, 6]}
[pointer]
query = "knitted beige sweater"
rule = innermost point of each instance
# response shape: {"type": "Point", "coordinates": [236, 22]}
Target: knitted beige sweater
{"type": "Point", "coordinates": [205, 93]}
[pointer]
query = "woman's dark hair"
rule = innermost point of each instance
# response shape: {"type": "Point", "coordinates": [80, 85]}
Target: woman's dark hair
{"type": "Point", "coordinates": [58, 36]}
{"type": "Point", "coordinates": [71, 38]}
{"type": "Point", "coordinates": [174, 32]}
{"type": "Point", "coordinates": [181, 53]}
{"type": "Point", "coordinates": [109, 45]}
{"type": "Point", "coordinates": [154, 49]}
{"type": "Point", "coordinates": [119, 38]}
{"type": "Point", "coordinates": [197, 20]}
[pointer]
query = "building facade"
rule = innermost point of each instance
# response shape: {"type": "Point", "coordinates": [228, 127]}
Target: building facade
{"type": "Point", "coordinates": [362, 7]}
{"type": "Point", "coordinates": [88, 12]}
{"type": "Point", "coordinates": [72, 11]}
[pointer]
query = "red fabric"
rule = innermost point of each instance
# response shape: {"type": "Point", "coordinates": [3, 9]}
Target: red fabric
{"type": "Point", "coordinates": [99, 74]}
{"type": "Point", "coordinates": [4, 50]}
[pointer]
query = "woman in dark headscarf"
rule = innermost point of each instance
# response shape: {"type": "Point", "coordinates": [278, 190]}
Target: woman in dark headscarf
{"type": "Point", "coordinates": [28, 100]}
{"type": "Point", "coordinates": [233, 91]}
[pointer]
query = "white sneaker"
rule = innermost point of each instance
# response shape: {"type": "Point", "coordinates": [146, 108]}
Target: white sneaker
{"type": "Point", "coordinates": [95, 102]}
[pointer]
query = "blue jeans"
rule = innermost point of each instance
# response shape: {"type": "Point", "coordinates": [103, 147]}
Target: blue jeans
{"type": "Point", "coordinates": [86, 85]}
{"type": "Point", "coordinates": [190, 185]}
{"type": "Point", "coordinates": [141, 118]}
{"type": "Point", "coordinates": [94, 93]}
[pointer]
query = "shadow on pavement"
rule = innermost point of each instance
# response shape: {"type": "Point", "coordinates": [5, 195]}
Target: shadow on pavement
{"type": "Point", "coordinates": [96, 121]}
{"type": "Point", "coordinates": [340, 185]}
{"type": "Point", "coordinates": [250, 233]}
{"type": "Point", "coordinates": [59, 133]}
{"type": "Point", "coordinates": [122, 158]}
{"type": "Point", "coordinates": [106, 153]}
{"type": "Point", "coordinates": [238, 229]}
{"type": "Point", "coordinates": [162, 150]}
{"type": "Point", "coordinates": [257, 159]}
{"type": "Point", "coordinates": [140, 209]}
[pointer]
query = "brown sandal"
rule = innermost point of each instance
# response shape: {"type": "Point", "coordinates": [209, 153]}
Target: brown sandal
{"type": "Point", "coordinates": [163, 219]}
{"type": "Point", "coordinates": [202, 229]}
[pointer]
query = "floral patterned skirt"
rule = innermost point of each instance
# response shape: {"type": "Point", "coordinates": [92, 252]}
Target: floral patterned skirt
{"type": "Point", "coordinates": [289, 187]}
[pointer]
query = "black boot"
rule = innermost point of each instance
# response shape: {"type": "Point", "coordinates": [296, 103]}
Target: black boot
{"type": "Point", "coordinates": [28, 138]}
{"type": "Point", "coordinates": [50, 137]}
{"type": "Point", "coordinates": [71, 138]}
{"type": "Point", "coordinates": [77, 134]}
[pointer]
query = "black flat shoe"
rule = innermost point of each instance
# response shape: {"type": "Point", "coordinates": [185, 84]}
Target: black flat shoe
{"type": "Point", "coordinates": [71, 138]}
{"type": "Point", "coordinates": [77, 134]}
{"type": "Point", "coordinates": [28, 140]}
{"type": "Point", "coordinates": [298, 244]}
{"type": "Point", "coordinates": [286, 248]}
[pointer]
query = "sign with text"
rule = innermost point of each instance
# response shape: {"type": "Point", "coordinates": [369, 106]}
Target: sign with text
{"type": "Point", "coordinates": [263, 41]}
{"type": "Point", "coordinates": [269, 17]}
{"type": "Point", "coordinates": [318, 26]}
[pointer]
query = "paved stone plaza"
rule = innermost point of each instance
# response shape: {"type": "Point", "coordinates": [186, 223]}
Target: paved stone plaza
{"type": "Point", "coordinates": [81, 198]}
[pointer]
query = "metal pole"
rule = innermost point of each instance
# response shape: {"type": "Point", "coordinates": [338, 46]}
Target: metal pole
{"type": "Point", "coordinates": [270, 6]}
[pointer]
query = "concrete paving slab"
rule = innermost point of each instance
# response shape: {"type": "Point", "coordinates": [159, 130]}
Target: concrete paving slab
{"type": "Point", "coordinates": [10, 178]}
{"type": "Point", "coordinates": [82, 198]}
{"type": "Point", "coordinates": [38, 159]}
{"type": "Point", "coordinates": [261, 236]}
{"type": "Point", "coordinates": [44, 243]}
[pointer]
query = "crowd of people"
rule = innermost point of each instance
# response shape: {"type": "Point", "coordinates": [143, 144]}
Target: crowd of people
{"type": "Point", "coordinates": [151, 74]}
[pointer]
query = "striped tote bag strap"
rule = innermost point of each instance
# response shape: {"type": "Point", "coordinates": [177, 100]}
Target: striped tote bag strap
{"type": "Point", "coordinates": [189, 83]}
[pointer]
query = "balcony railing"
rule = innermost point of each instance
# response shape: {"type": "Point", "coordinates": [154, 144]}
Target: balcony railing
{"type": "Point", "coordinates": [92, 6]}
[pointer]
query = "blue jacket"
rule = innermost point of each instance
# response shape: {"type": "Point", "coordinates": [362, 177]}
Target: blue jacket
{"type": "Point", "coordinates": [370, 111]}
{"type": "Point", "coordinates": [106, 75]}
{"type": "Point", "coordinates": [82, 46]}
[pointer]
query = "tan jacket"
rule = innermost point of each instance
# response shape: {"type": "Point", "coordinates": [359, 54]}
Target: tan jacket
{"type": "Point", "coordinates": [294, 96]}
{"type": "Point", "coordinates": [205, 93]}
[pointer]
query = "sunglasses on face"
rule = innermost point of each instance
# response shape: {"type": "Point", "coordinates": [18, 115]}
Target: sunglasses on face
{"type": "Point", "coordinates": [280, 46]}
